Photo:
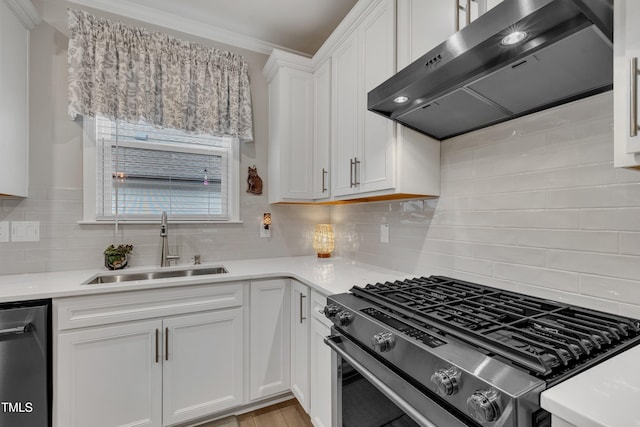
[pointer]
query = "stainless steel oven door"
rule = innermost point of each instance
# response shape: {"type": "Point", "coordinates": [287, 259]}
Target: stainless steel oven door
{"type": "Point", "coordinates": [367, 393]}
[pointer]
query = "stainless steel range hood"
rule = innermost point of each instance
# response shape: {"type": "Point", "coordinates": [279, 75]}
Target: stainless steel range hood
{"type": "Point", "coordinates": [474, 80]}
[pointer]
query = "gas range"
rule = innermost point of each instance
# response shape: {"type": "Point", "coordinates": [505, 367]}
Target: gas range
{"type": "Point", "coordinates": [481, 354]}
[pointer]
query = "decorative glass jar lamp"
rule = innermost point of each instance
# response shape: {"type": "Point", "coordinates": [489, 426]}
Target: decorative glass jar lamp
{"type": "Point", "coordinates": [324, 240]}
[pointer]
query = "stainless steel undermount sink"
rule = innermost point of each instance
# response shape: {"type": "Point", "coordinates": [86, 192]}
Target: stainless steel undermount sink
{"type": "Point", "coordinates": [128, 277]}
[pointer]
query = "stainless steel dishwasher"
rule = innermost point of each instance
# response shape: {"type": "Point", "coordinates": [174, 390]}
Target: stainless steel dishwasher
{"type": "Point", "coordinates": [25, 364]}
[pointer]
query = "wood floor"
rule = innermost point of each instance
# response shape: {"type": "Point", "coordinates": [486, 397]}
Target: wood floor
{"type": "Point", "coordinates": [285, 414]}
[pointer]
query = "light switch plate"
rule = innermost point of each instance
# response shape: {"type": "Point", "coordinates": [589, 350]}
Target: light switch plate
{"type": "Point", "coordinates": [4, 231]}
{"type": "Point", "coordinates": [25, 231]}
{"type": "Point", "coordinates": [384, 233]}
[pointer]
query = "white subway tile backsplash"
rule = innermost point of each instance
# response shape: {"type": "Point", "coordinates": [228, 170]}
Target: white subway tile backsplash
{"type": "Point", "coordinates": [627, 219]}
{"type": "Point", "coordinates": [625, 291]}
{"type": "Point", "coordinates": [537, 276]}
{"type": "Point", "coordinates": [621, 266]}
{"type": "Point", "coordinates": [532, 205]}
{"type": "Point", "coordinates": [510, 254]}
{"type": "Point", "coordinates": [630, 243]}
{"type": "Point", "coordinates": [621, 195]}
{"type": "Point", "coordinates": [545, 219]}
{"type": "Point", "coordinates": [595, 241]}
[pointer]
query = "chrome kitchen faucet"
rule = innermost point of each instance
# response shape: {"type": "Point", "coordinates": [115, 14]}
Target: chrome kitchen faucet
{"type": "Point", "coordinates": [165, 258]}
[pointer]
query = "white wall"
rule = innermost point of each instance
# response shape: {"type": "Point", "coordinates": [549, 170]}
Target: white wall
{"type": "Point", "coordinates": [56, 182]}
{"type": "Point", "coordinates": [532, 205]}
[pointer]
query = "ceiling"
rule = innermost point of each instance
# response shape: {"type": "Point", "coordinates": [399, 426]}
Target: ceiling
{"type": "Point", "coordinates": [295, 25]}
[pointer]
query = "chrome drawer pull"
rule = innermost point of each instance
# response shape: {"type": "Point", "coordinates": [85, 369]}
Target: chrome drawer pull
{"type": "Point", "coordinates": [634, 97]}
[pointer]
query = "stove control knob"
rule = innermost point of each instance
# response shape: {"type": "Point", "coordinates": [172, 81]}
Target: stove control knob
{"type": "Point", "coordinates": [383, 342]}
{"type": "Point", "coordinates": [446, 381]}
{"type": "Point", "coordinates": [483, 406]}
{"type": "Point", "coordinates": [344, 318]}
{"type": "Point", "coordinates": [330, 311]}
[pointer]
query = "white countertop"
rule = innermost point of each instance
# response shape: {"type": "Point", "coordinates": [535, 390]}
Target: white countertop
{"type": "Point", "coordinates": [607, 395]}
{"type": "Point", "coordinates": [327, 276]}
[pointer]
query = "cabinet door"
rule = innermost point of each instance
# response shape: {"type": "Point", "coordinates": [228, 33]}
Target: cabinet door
{"type": "Point", "coordinates": [14, 74]}
{"type": "Point", "coordinates": [300, 343]}
{"type": "Point", "coordinates": [422, 26]}
{"type": "Point", "coordinates": [202, 358]}
{"type": "Point", "coordinates": [321, 399]}
{"type": "Point", "coordinates": [269, 338]}
{"type": "Point", "coordinates": [632, 51]}
{"type": "Point", "coordinates": [110, 376]}
{"type": "Point", "coordinates": [376, 154]}
{"type": "Point", "coordinates": [626, 47]}
{"type": "Point", "coordinates": [322, 131]}
{"type": "Point", "coordinates": [297, 146]}
{"type": "Point", "coordinates": [344, 115]}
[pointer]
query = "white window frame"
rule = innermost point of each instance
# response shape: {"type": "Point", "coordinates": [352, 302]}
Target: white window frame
{"type": "Point", "coordinates": [90, 176]}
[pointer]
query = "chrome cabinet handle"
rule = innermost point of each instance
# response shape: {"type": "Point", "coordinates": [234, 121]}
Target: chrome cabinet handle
{"type": "Point", "coordinates": [458, 9]}
{"type": "Point", "coordinates": [468, 12]}
{"type": "Point", "coordinates": [166, 343]}
{"type": "Point", "coordinates": [157, 346]}
{"type": "Point", "coordinates": [301, 316]}
{"type": "Point", "coordinates": [351, 163]}
{"type": "Point", "coordinates": [324, 174]}
{"type": "Point", "coordinates": [634, 97]}
{"type": "Point", "coordinates": [356, 162]}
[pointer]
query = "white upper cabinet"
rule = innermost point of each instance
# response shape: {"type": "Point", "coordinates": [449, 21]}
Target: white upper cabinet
{"type": "Point", "coordinates": [363, 149]}
{"type": "Point", "coordinates": [470, 10]}
{"type": "Point", "coordinates": [291, 127]}
{"type": "Point", "coordinates": [344, 116]}
{"type": "Point", "coordinates": [14, 80]}
{"type": "Point", "coordinates": [322, 131]}
{"type": "Point", "coordinates": [371, 157]}
{"type": "Point", "coordinates": [423, 25]}
{"type": "Point", "coordinates": [625, 84]}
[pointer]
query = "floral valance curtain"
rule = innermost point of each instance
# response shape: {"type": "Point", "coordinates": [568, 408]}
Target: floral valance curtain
{"type": "Point", "coordinates": [131, 74]}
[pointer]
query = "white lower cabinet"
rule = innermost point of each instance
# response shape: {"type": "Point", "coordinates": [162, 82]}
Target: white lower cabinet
{"type": "Point", "coordinates": [109, 377]}
{"type": "Point", "coordinates": [155, 373]}
{"type": "Point", "coordinates": [320, 363]}
{"type": "Point", "coordinates": [300, 343]}
{"type": "Point", "coordinates": [269, 370]}
{"type": "Point", "coordinates": [165, 357]}
{"type": "Point", "coordinates": [202, 365]}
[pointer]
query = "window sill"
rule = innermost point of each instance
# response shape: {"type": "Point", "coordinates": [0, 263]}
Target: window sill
{"type": "Point", "coordinates": [156, 222]}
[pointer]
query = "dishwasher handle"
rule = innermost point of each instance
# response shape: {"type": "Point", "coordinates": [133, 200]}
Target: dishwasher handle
{"type": "Point", "coordinates": [15, 331]}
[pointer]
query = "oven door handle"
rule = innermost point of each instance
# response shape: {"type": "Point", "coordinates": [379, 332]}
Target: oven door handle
{"type": "Point", "coordinates": [392, 395]}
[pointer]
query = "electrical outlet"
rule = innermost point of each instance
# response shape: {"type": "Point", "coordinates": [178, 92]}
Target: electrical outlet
{"type": "Point", "coordinates": [25, 231]}
{"type": "Point", "coordinates": [265, 232]}
{"type": "Point", "coordinates": [384, 233]}
{"type": "Point", "coordinates": [4, 231]}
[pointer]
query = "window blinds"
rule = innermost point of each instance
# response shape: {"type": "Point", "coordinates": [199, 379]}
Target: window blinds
{"type": "Point", "coordinates": [143, 171]}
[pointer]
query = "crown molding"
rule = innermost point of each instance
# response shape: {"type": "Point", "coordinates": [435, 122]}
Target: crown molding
{"type": "Point", "coordinates": [280, 58]}
{"type": "Point", "coordinates": [25, 11]}
{"type": "Point", "coordinates": [184, 25]}
{"type": "Point", "coordinates": [357, 13]}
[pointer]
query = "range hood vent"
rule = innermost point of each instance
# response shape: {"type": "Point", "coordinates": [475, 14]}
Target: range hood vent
{"type": "Point", "coordinates": [473, 80]}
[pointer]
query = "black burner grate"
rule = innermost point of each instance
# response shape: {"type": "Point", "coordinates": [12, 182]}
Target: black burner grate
{"type": "Point", "coordinates": [547, 338]}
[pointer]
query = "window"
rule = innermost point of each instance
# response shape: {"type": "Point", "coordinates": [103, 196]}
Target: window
{"type": "Point", "coordinates": [140, 171]}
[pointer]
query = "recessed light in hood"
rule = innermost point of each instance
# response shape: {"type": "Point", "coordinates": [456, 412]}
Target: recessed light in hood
{"type": "Point", "coordinates": [514, 38]}
{"type": "Point", "coordinates": [565, 52]}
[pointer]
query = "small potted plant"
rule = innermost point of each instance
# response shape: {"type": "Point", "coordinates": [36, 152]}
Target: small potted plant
{"type": "Point", "coordinates": [116, 258]}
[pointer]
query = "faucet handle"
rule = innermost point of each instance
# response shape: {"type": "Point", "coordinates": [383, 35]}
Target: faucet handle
{"type": "Point", "coordinates": [196, 260]}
